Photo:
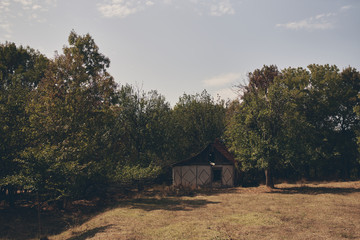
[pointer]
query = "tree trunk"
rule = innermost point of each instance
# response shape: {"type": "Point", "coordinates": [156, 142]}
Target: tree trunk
{"type": "Point", "coordinates": [269, 178]}
{"type": "Point", "coordinates": [2, 194]}
{"type": "Point", "coordinates": [11, 197]}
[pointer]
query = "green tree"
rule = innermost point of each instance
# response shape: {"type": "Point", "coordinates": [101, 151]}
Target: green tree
{"type": "Point", "coordinates": [302, 119]}
{"type": "Point", "coordinates": [142, 134]}
{"type": "Point", "coordinates": [71, 122]}
{"type": "Point", "coordinates": [267, 129]}
{"type": "Point", "coordinates": [333, 96]}
{"type": "Point", "coordinates": [197, 120]}
{"type": "Point", "coordinates": [20, 71]}
{"type": "Point", "coordinates": [141, 125]}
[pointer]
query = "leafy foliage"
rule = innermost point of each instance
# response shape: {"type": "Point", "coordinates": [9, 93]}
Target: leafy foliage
{"type": "Point", "coordinates": [197, 119]}
{"type": "Point", "coordinates": [71, 120]}
{"type": "Point", "coordinates": [67, 129]}
{"type": "Point", "coordinates": [141, 120]}
{"type": "Point", "coordinates": [20, 71]}
{"type": "Point", "coordinates": [297, 119]}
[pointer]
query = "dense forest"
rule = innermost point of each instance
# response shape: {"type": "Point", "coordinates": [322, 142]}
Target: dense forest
{"type": "Point", "coordinates": [68, 130]}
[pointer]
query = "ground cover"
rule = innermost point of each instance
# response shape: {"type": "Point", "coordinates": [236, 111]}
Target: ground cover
{"type": "Point", "coordinates": [291, 211]}
{"type": "Point", "coordinates": [307, 211]}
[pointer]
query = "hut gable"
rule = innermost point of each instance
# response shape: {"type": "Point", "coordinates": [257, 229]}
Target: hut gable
{"type": "Point", "coordinates": [212, 166]}
{"type": "Point", "coordinates": [214, 153]}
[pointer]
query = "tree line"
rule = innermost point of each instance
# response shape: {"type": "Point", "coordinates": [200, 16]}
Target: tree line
{"type": "Point", "coordinates": [68, 130]}
{"type": "Point", "coordinates": [298, 123]}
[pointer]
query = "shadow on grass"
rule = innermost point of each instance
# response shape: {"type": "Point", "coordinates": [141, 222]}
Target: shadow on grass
{"type": "Point", "coordinates": [171, 204]}
{"type": "Point", "coordinates": [22, 222]}
{"type": "Point", "coordinates": [315, 190]}
{"type": "Point", "coordinates": [89, 233]}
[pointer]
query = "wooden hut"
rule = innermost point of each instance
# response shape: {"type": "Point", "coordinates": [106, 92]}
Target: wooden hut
{"type": "Point", "coordinates": [213, 166]}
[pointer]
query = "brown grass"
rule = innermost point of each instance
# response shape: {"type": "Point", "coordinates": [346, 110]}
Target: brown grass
{"type": "Point", "coordinates": [291, 211]}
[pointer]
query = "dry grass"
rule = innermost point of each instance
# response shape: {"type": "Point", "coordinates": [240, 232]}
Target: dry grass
{"type": "Point", "coordinates": [306, 211]}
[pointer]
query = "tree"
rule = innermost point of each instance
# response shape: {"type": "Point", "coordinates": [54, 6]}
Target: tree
{"type": "Point", "coordinates": [266, 130]}
{"type": "Point", "coordinates": [142, 135]}
{"type": "Point", "coordinates": [141, 126]}
{"type": "Point", "coordinates": [20, 71]}
{"type": "Point", "coordinates": [71, 121]}
{"type": "Point", "coordinates": [333, 96]}
{"type": "Point", "coordinates": [302, 119]}
{"type": "Point", "coordinates": [197, 120]}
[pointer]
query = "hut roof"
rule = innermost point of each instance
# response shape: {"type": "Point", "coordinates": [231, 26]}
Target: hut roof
{"type": "Point", "coordinates": [213, 154]}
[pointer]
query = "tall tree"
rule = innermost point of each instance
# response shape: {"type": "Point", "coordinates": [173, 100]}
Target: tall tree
{"type": "Point", "coordinates": [197, 120]}
{"type": "Point", "coordinates": [20, 71]}
{"type": "Point", "coordinates": [303, 119]}
{"type": "Point", "coordinates": [333, 96]}
{"type": "Point", "coordinates": [266, 129]}
{"type": "Point", "coordinates": [71, 121]}
{"type": "Point", "coordinates": [142, 126]}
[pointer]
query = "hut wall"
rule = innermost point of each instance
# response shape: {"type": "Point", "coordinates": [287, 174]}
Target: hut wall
{"type": "Point", "coordinates": [192, 176]}
{"type": "Point", "coordinates": [177, 176]}
{"type": "Point", "coordinates": [228, 174]}
{"type": "Point", "coordinates": [204, 175]}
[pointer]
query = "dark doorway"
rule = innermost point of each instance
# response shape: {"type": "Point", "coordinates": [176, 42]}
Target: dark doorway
{"type": "Point", "coordinates": [217, 176]}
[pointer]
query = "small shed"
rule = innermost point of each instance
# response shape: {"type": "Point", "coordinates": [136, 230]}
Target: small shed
{"type": "Point", "coordinates": [213, 166]}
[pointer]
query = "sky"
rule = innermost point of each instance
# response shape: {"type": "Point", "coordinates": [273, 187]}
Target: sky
{"type": "Point", "coordinates": [186, 46]}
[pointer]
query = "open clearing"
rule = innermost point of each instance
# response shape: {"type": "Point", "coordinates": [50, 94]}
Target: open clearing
{"type": "Point", "coordinates": [292, 211]}
{"type": "Point", "coordinates": [311, 211]}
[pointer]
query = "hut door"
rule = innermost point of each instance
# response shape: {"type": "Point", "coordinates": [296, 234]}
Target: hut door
{"type": "Point", "coordinates": [217, 175]}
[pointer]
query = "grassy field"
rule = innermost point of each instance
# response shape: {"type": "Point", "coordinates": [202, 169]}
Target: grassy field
{"type": "Point", "coordinates": [292, 211]}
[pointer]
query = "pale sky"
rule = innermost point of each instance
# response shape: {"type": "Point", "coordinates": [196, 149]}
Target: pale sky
{"type": "Point", "coordinates": [185, 46]}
